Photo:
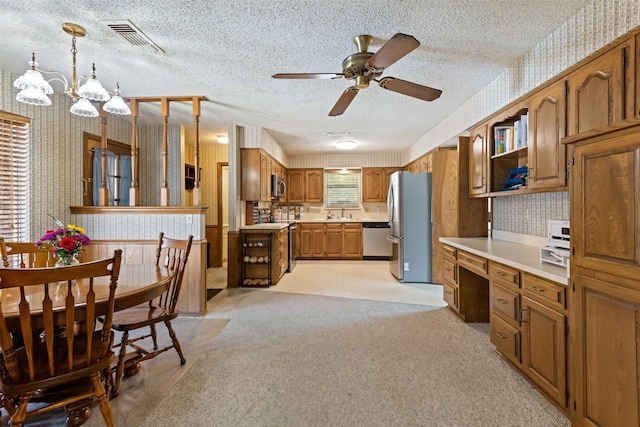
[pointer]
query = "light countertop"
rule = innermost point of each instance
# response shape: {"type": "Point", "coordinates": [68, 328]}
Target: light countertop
{"type": "Point", "coordinates": [517, 255]}
{"type": "Point", "coordinates": [266, 226]}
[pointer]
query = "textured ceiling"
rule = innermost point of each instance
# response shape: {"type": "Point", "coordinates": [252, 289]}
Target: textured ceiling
{"type": "Point", "coordinates": [228, 50]}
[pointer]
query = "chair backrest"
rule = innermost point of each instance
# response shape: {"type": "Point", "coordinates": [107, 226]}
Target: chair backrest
{"type": "Point", "coordinates": [25, 255]}
{"type": "Point", "coordinates": [173, 254]}
{"type": "Point", "coordinates": [55, 329]}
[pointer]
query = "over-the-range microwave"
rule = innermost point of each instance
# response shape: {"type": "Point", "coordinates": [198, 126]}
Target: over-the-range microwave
{"type": "Point", "coordinates": [278, 187]}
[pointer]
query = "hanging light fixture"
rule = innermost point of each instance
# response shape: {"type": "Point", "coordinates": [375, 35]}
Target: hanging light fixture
{"type": "Point", "coordinates": [34, 89]}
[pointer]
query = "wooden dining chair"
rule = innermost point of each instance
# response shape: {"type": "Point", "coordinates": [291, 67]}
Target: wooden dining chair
{"type": "Point", "coordinates": [51, 349]}
{"type": "Point", "coordinates": [173, 254]}
{"type": "Point", "coordinates": [25, 255]}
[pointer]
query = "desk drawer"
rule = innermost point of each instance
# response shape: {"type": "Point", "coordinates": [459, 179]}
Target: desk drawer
{"type": "Point", "coordinates": [504, 275]}
{"type": "Point", "coordinates": [473, 263]}
{"type": "Point", "coordinates": [551, 294]}
{"type": "Point", "coordinates": [450, 295]}
{"type": "Point", "coordinates": [450, 272]}
{"type": "Point", "coordinates": [504, 302]}
{"type": "Point", "coordinates": [506, 338]}
{"type": "Point", "coordinates": [450, 253]}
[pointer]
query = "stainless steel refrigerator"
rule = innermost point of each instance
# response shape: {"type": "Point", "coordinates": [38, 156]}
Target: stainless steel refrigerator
{"type": "Point", "coordinates": [409, 207]}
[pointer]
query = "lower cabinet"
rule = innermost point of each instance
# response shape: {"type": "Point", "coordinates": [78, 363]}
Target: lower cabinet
{"type": "Point", "coordinates": [330, 241]}
{"type": "Point", "coordinates": [528, 328]}
{"type": "Point", "coordinates": [264, 256]}
{"type": "Point", "coordinates": [465, 286]}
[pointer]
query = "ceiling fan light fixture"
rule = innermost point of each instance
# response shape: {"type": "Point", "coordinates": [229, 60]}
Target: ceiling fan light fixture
{"type": "Point", "coordinates": [345, 145]}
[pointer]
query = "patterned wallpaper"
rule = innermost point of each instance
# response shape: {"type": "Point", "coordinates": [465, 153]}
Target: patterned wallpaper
{"type": "Point", "coordinates": [345, 160]}
{"type": "Point", "coordinates": [528, 213]}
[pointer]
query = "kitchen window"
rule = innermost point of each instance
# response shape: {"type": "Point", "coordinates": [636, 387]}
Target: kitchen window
{"type": "Point", "coordinates": [14, 176]}
{"type": "Point", "coordinates": [342, 187]}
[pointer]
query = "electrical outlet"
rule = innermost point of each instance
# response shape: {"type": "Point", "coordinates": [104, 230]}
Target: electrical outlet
{"type": "Point", "coordinates": [377, 209]}
{"type": "Point", "coordinates": [189, 218]}
{"type": "Point", "coordinates": [525, 214]}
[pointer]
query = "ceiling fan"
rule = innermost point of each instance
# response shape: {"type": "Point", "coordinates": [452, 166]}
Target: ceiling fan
{"type": "Point", "coordinates": [365, 66]}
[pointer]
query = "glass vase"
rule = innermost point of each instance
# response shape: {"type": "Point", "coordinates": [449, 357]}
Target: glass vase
{"type": "Point", "coordinates": [67, 260]}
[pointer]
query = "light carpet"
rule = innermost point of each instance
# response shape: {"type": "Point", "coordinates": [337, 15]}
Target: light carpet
{"type": "Point", "coordinates": [303, 360]}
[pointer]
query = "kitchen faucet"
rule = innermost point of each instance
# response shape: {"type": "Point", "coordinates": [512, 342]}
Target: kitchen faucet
{"type": "Point", "coordinates": [342, 214]}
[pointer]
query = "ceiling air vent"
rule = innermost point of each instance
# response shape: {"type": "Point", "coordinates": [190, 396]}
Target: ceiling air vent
{"type": "Point", "coordinates": [126, 29]}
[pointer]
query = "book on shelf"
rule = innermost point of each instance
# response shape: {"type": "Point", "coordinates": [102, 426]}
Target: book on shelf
{"type": "Point", "coordinates": [503, 139]}
{"type": "Point", "coordinates": [521, 130]}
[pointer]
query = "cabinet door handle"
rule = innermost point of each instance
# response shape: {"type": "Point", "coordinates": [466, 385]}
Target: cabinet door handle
{"type": "Point", "coordinates": [500, 335]}
{"type": "Point", "coordinates": [500, 273]}
{"type": "Point", "coordinates": [447, 269]}
{"type": "Point", "coordinates": [448, 292]}
{"type": "Point", "coordinates": [536, 289]}
{"type": "Point", "coordinates": [469, 260]}
{"type": "Point", "coordinates": [501, 301]}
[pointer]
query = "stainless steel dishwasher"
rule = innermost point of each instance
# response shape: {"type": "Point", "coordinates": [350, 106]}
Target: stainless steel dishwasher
{"type": "Point", "coordinates": [375, 244]}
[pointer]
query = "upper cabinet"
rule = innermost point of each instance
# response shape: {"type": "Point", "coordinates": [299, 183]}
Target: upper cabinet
{"type": "Point", "coordinates": [478, 161]}
{"type": "Point", "coordinates": [596, 93]}
{"type": "Point", "coordinates": [547, 157]}
{"type": "Point", "coordinates": [305, 185]}
{"type": "Point", "coordinates": [257, 168]}
{"type": "Point", "coordinates": [375, 183]}
{"type": "Point", "coordinates": [601, 92]}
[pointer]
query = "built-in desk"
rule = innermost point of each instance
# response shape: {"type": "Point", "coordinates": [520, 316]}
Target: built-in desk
{"type": "Point", "coordinates": [525, 301]}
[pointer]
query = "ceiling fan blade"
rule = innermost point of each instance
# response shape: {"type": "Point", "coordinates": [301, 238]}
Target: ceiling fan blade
{"type": "Point", "coordinates": [412, 89]}
{"type": "Point", "coordinates": [344, 101]}
{"type": "Point", "coordinates": [308, 76]}
{"type": "Point", "coordinates": [397, 47]}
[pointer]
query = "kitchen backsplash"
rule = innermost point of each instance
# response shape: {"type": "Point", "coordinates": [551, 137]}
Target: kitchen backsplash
{"type": "Point", "coordinates": [528, 213]}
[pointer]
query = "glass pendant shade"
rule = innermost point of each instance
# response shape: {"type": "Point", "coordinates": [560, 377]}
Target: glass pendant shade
{"type": "Point", "coordinates": [33, 88]}
{"type": "Point", "coordinates": [116, 105]}
{"type": "Point", "coordinates": [84, 108]}
{"type": "Point", "coordinates": [93, 90]}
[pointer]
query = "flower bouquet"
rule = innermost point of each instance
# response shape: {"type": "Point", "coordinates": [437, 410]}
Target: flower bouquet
{"type": "Point", "coordinates": [67, 242]}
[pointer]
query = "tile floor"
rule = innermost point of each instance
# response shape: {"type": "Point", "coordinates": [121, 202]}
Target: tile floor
{"type": "Point", "coordinates": [369, 280]}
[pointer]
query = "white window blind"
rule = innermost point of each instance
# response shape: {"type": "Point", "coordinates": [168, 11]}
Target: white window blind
{"type": "Point", "coordinates": [14, 177]}
{"type": "Point", "coordinates": [342, 188]}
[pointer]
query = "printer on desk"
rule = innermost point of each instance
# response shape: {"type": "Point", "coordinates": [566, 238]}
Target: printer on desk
{"type": "Point", "coordinates": [557, 250]}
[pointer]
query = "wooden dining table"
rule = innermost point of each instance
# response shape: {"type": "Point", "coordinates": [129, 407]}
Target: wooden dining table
{"type": "Point", "coordinates": [137, 284]}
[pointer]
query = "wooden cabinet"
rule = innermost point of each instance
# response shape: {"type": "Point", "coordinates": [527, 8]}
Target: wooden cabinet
{"type": "Point", "coordinates": [547, 125]}
{"type": "Point", "coordinates": [335, 240]}
{"type": "Point", "coordinates": [375, 183]}
{"type": "Point", "coordinates": [256, 168]}
{"type": "Point", "coordinates": [513, 156]}
{"type": "Point", "coordinates": [450, 278]}
{"type": "Point", "coordinates": [311, 240]}
{"type": "Point", "coordinates": [283, 251]}
{"type": "Point", "coordinates": [314, 185]}
{"type": "Point", "coordinates": [478, 161]}
{"type": "Point", "coordinates": [544, 338]}
{"type": "Point", "coordinates": [295, 185]}
{"type": "Point", "coordinates": [528, 328]}
{"type": "Point", "coordinates": [605, 271]}
{"type": "Point", "coordinates": [598, 93]}
{"type": "Point", "coordinates": [330, 240]}
{"type": "Point", "coordinates": [305, 185]}
{"type": "Point", "coordinates": [454, 213]}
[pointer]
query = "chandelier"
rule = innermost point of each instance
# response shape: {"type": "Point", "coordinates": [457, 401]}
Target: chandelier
{"type": "Point", "coordinates": [34, 89]}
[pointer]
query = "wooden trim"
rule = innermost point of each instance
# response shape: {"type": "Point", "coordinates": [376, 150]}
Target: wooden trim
{"type": "Point", "coordinates": [14, 117]}
{"type": "Point", "coordinates": [168, 98]}
{"type": "Point", "coordinates": [169, 210]}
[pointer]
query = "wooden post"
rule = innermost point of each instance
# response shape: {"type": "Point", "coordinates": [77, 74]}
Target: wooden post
{"type": "Point", "coordinates": [103, 192]}
{"type": "Point", "coordinates": [134, 191]}
{"type": "Point", "coordinates": [164, 191]}
{"type": "Point", "coordinates": [196, 161]}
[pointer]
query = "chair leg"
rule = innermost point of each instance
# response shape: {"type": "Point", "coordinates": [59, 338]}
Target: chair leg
{"type": "Point", "coordinates": [174, 340]}
{"type": "Point", "coordinates": [120, 367]}
{"type": "Point", "coordinates": [154, 336]}
{"type": "Point", "coordinates": [101, 395]}
{"type": "Point", "coordinates": [17, 419]}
